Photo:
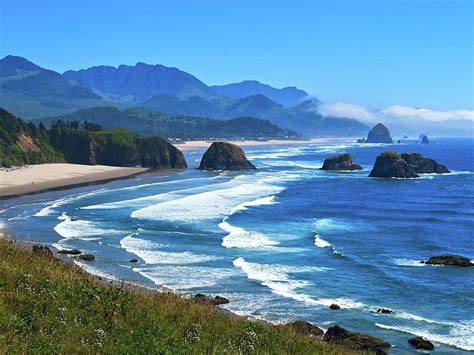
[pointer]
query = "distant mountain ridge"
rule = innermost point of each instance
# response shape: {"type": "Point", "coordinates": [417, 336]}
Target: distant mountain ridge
{"type": "Point", "coordinates": [31, 92]}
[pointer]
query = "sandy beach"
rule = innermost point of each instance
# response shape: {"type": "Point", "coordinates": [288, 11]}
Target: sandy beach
{"type": "Point", "coordinates": [196, 145]}
{"type": "Point", "coordinates": [35, 178]}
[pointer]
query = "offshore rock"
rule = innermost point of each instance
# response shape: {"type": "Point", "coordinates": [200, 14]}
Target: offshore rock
{"type": "Point", "coordinates": [379, 134]}
{"type": "Point", "coordinates": [340, 162]}
{"type": "Point", "coordinates": [225, 156]}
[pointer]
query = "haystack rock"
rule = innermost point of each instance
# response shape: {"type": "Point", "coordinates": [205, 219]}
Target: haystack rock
{"type": "Point", "coordinates": [340, 162]}
{"type": "Point", "coordinates": [225, 156]}
{"type": "Point", "coordinates": [425, 140]}
{"type": "Point", "coordinates": [379, 134]}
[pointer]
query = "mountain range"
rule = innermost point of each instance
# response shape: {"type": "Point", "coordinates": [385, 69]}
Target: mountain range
{"type": "Point", "coordinates": [30, 91]}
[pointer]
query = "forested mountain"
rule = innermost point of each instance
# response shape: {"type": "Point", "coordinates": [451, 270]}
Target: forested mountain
{"type": "Point", "coordinates": [82, 143]}
{"type": "Point", "coordinates": [31, 91]}
{"type": "Point", "coordinates": [149, 122]}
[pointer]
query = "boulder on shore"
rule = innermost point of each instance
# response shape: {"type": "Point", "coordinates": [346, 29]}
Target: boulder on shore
{"type": "Point", "coordinates": [390, 164]}
{"type": "Point", "coordinates": [203, 299]}
{"type": "Point", "coordinates": [449, 260]}
{"type": "Point", "coordinates": [303, 327]}
{"type": "Point", "coordinates": [423, 165]}
{"type": "Point", "coordinates": [340, 162]}
{"type": "Point", "coordinates": [421, 344]}
{"type": "Point", "coordinates": [379, 134]}
{"type": "Point", "coordinates": [353, 340]}
{"type": "Point", "coordinates": [225, 156]}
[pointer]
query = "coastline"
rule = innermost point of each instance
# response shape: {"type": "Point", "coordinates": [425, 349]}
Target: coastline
{"type": "Point", "coordinates": [202, 144]}
{"type": "Point", "coordinates": [42, 177]}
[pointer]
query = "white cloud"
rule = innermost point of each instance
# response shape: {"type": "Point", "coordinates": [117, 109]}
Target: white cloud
{"type": "Point", "coordinates": [343, 109]}
{"type": "Point", "coordinates": [427, 114]}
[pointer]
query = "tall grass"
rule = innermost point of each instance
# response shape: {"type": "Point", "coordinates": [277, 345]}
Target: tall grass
{"type": "Point", "coordinates": [48, 306]}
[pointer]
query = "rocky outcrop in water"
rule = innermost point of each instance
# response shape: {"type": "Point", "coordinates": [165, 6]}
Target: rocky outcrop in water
{"type": "Point", "coordinates": [340, 162]}
{"type": "Point", "coordinates": [425, 140]}
{"type": "Point", "coordinates": [353, 340]}
{"type": "Point", "coordinates": [379, 134]}
{"type": "Point", "coordinates": [449, 260]}
{"type": "Point", "coordinates": [203, 299]}
{"type": "Point", "coordinates": [334, 307]}
{"type": "Point", "coordinates": [391, 164]}
{"type": "Point", "coordinates": [69, 251]}
{"type": "Point", "coordinates": [225, 156]}
{"type": "Point", "coordinates": [423, 165]}
{"type": "Point", "coordinates": [421, 344]}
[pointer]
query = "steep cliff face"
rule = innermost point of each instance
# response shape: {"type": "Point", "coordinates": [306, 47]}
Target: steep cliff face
{"type": "Point", "coordinates": [225, 156]}
{"type": "Point", "coordinates": [391, 165]}
{"type": "Point", "coordinates": [117, 148]}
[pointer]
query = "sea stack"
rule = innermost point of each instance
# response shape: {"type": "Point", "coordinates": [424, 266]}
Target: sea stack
{"type": "Point", "coordinates": [340, 162]}
{"type": "Point", "coordinates": [379, 134]}
{"type": "Point", "coordinates": [225, 156]}
{"type": "Point", "coordinates": [425, 140]}
{"type": "Point", "coordinates": [391, 164]}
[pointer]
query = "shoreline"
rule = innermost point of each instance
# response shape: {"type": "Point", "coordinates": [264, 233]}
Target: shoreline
{"type": "Point", "coordinates": [187, 146]}
{"type": "Point", "coordinates": [32, 179]}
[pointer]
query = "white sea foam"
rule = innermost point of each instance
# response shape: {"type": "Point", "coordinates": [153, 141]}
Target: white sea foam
{"type": "Point", "coordinates": [460, 335]}
{"type": "Point", "coordinates": [46, 211]}
{"type": "Point", "coordinates": [320, 242]}
{"type": "Point", "coordinates": [206, 205]}
{"type": "Point", "coordinates": [179, 277]}
{"type": "Point", "coordinates": [408, 262]}
{"type": "Point", "coordinates": [244, 239]}
{"type": "Point", "coordinates": [275, 154]}
{"type": "Point", "coordinates": [278, 279]}
{"type": "Point", "coordinates": [150, 253]}
{"type": "Point", "coordinates": [81, 229]}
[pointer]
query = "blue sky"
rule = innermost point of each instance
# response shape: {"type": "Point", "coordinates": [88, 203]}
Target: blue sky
{"type": "Point", "coordinates": [375, 53]}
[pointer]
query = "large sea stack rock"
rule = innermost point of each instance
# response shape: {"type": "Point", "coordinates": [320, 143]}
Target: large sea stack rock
{"type": "Point", "coordinates": [353, 340]}
{"type": "Point", "coordinates": [379, 134]}
{"type": "Point", "coordinates": [450, 260]}
{"type": "Point", "coordinates": [425, 140]}
{"type": "Point", "coordinates": [340, 162]}
{"type": "Point", "coordinates": [225, 156]}
{"type": "Point", "coordinates": [390, 164]}
{"type": "Point", "coordinates": [423, 165]}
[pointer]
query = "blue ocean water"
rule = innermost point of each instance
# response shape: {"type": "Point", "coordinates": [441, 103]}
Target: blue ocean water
{"type": "Point", "coordinates": [285, 241]}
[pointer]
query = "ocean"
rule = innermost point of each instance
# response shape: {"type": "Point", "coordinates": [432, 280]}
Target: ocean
{"type": "Point", "coordinates": [287, 240]}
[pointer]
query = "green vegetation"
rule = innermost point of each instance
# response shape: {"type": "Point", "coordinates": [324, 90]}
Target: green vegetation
{"type": "Point", "coordinates": [82, 143]}
{"type": "Point", "coordinates": [149, 122]}
{"type": "Point", "coordinates": [24, 143]}
{"type": "Point", "coordinates": [48, 306]}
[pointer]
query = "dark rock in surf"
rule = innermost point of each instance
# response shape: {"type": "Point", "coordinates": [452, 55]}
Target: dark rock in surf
{"type": "Point", "coordinates": [334, 307]}
{"type": "Point", "coordinates": [340, 162]}
{"type": "Point", "coordinates": [134, 260]}
{"type": "Point", "coordinates": [225, 156]}
{"type": "Point", "coordinates": [86, 257]}
{"type": "Point", "coordinates": [203, 299]}
{"type": "Point", "coordinates": [362, 140]}
{"type": "Point", "coordinates": [42, 250]}
{"type": "Point", "coordinates": [379, 134]}
{"type": "Point", "coordinates": [69, 251]}
{"type": "Point", "coordinates": [425, 140]}
{"type": "Point", "coordinates": [423, 165]}
{"type": "Point", "coordinates": [390, 164]}
{"type": "Point", "coordinates": [384, 311]}
{"type": "Point", "coordinates": [421, 344]}
{"type": "Point", "coordinates": [353, 340]}
{"type": "Point", "coordinates": [303, 327]}
{"type": "Point", "coordinates": [449, 260]}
